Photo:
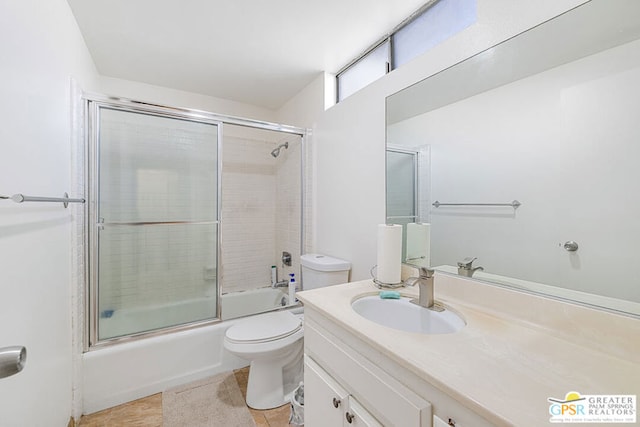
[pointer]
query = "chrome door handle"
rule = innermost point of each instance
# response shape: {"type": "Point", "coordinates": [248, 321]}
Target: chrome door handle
{"type": "Point", "coordinates": [12, 360]}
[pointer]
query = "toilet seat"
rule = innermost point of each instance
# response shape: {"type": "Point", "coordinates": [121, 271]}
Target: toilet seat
{"type": "Point", "coordinates": [264, 328]}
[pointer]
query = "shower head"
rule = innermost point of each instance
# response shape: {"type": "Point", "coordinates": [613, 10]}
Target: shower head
{"type": "Point", "coordinates": [276, 151]}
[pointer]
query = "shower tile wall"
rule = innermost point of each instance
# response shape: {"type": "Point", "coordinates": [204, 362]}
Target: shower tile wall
{"type": "Point", "coordinates": [288, 215]}
{"type": "Point", "coordinates": [309, 189]}
{"type": "Point", "coordinates": [260, 211]}
{"type": "Point", "coordinates": [248, 213]}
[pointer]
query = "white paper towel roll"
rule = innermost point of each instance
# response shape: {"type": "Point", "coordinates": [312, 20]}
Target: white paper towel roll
{"type": "Point", "coordinates": [389, 253]}
{"type": "Point", "coordinates": [419, 244]}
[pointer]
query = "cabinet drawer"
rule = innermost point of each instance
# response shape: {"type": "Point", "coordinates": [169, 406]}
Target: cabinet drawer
{"type": "Point", "coordinates": [382, 395]}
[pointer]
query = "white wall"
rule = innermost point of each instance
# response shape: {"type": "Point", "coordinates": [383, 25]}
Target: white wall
{"type": "Point", "coordinates": [349, 139]}
{"type": "Point", "coordinates": [41, 50]}
{"type": "Point", "coordinates": [564, 143]}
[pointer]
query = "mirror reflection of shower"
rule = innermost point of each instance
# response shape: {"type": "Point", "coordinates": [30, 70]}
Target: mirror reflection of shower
{"type": "Point", "coordinates": [276, 151]}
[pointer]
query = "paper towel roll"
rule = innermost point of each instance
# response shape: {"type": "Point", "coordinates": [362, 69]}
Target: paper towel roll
{"type": "Point", "coordinates": [419, 244]}
{"type": "Point", "coordinates": [389, 253]}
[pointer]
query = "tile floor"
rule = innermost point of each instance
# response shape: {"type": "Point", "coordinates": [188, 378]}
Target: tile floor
{"type": "Point", "coordinates": [147, 412]}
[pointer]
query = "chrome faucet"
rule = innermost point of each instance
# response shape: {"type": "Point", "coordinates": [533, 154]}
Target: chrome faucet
{"type": "Point", "coordinates": [281, 284]}
{"type": "Point", "coordinates": [425, 287]}
{"type": "Point", "coordinates": [465, 267]}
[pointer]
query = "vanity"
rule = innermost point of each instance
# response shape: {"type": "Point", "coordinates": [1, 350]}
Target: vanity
{"type": "Point", "coordinates": [515, 351]}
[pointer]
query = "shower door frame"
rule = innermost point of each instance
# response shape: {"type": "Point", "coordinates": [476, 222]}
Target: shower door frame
{"type": "Point", "coordinates": [416, 182]}
{"type": "Point", "coordinates": [92, 103]}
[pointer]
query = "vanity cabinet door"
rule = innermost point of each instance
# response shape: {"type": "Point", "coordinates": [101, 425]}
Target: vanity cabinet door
{"type": "Point", "coordinates": [357, 416]}
{"type": "Point", "coordinates": [324, 399]}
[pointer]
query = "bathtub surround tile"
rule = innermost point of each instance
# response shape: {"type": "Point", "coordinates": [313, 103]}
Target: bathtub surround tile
{"type": "Point", "coordinates": [210, 402]}
{"type": "Point", "coordinates": [261, 209]}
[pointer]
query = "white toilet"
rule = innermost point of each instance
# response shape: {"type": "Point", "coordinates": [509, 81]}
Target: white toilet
{"type": "Point", "coordinates": [273, 342]}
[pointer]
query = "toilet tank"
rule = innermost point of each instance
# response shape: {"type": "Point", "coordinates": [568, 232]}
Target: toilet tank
{"type": "Point", "coordinates": [322, 270]}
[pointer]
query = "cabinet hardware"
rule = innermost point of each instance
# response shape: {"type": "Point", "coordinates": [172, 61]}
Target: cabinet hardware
{"type": "Point", "coordinates": [336, 402]}
{"type": "Point", "coordinates": [349, 417]}
{"type": "Point", "coordinates": [451, 423]}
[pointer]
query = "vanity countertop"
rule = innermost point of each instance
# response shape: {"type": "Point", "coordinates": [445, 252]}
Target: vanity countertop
{"type": "Point", "coordinates": [516, 351]}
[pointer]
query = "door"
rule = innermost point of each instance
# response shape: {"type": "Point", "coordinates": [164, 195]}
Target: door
{"type": "Point", "coordinates": [154, 208]}
{"type": "Point", "coordinates": [357, 416]}
{"type": "Point", "coordinates": [325, 399]}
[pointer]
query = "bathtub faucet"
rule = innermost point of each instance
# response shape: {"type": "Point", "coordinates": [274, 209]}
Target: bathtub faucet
{"type": "Point", "coordinates": [281, 284]}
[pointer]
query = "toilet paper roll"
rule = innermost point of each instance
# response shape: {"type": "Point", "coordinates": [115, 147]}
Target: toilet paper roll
{"type": "Point", "coordinates": [389, 253]}
{"type": "Point", "coordinates": [419, 243]}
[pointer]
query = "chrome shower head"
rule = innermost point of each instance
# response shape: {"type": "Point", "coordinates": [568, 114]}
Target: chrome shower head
{"type": "Point", "coordinates": [276, 151]}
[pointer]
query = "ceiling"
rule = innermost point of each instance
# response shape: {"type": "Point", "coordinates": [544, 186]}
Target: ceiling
{"type": "Point", "coordinates": [252, 51]}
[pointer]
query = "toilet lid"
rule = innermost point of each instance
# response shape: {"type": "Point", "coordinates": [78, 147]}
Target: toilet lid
{"type": "Point", "coordinates": [264, 327]}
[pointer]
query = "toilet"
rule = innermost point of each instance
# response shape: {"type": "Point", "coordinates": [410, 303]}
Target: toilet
{"type": "Point", "coordinates": [273, 342]}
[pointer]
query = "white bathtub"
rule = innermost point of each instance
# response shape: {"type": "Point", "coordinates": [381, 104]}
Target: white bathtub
{"type": "Point", "coordinates": [239, 304]}
{"type": "Point", "coordinates": [128, 371]}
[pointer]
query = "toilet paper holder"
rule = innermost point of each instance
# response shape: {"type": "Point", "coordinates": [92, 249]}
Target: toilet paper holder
{"type": "Point", "coordinates": [12, 360]}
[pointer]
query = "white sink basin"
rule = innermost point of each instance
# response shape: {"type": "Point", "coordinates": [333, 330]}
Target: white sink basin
{"type": "Point", "coordinates": [405, 316]}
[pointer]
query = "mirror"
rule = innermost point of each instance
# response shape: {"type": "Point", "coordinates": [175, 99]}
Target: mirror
{"type": "Point", "coordinates": [547, 119]}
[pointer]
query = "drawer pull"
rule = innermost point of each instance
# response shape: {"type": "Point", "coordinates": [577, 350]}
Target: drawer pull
{"type": "Point", "coordinates": [349, 417]}
{"type": "Point", "coordinates": [451, 423]}
{"type": "Point", "coordinates": [336, 402]}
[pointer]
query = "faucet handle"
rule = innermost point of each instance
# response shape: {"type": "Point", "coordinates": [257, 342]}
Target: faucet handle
{"type": "Point", "coordinates": [466, 263]}
{"type": "Point", "coordinates": [426, 272]}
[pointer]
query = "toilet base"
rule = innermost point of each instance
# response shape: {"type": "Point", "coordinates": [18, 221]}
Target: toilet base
{"type": "Point", "coordinates": [271, 382]}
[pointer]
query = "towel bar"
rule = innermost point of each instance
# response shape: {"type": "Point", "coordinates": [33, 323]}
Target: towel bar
{"type": "Point", "coordinates": [19, 198]}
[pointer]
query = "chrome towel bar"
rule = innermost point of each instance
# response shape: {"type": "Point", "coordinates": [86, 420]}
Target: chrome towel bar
{"type": "Point", "coordinates": [19, 198]}
{"type": "Point", "coordinates": [515, 204]}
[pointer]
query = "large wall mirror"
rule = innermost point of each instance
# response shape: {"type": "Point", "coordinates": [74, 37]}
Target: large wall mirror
{"type": "Point", "coordinates": [550, 119]}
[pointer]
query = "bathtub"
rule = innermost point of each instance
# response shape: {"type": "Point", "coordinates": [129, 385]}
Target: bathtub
{"type": "Point", "coordinates": [123, 372]}
{"type": "Point", "coordinates": [239, 304]}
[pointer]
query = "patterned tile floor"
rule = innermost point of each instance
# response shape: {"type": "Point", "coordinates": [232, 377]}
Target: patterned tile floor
{"type": "Point", "coordinates": [147, 412]}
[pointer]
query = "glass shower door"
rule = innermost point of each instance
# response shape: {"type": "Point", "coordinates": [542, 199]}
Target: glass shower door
{"type": "Point", "coordinates": [155, 207]}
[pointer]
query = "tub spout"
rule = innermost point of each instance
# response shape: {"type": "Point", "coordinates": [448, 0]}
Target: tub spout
{"type": "Point", "coordinates": [281, 284]}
